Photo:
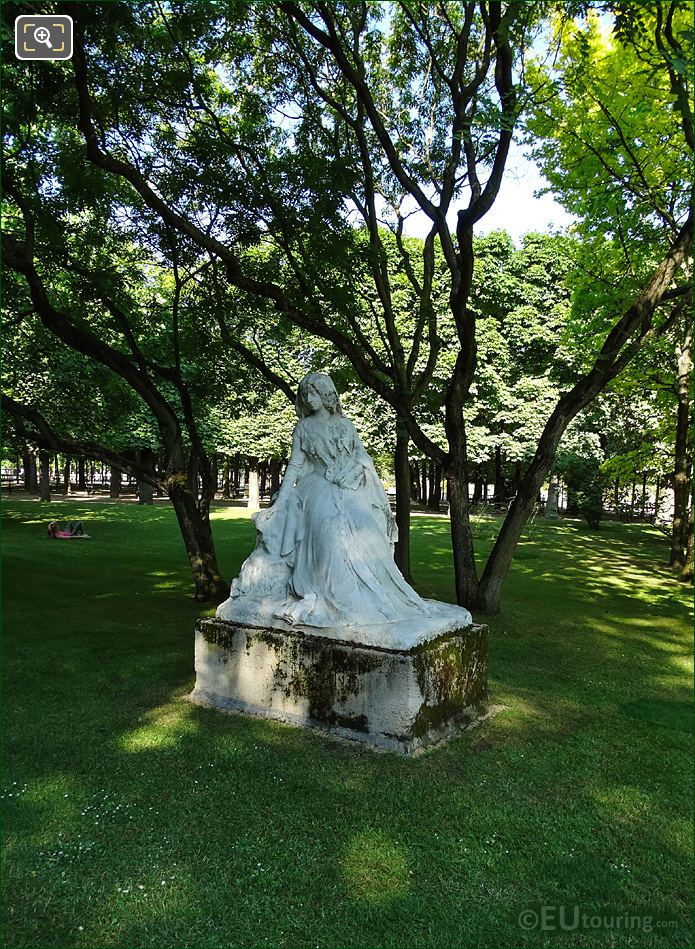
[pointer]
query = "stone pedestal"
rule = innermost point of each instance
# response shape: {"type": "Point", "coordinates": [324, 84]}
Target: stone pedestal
{"type": "Point", "coordinates": [392, 699]}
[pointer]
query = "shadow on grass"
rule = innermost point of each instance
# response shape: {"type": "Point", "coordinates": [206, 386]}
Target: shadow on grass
{"type": "Point", "coordinates": [140, 819]}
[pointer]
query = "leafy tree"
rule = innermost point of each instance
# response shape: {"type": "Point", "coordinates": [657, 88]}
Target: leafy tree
{"type": "Point", "coordinates": [91, 311]}
{"type": "Point", "coordinates": [292, 183]}
{"type": "Point", "coordinates": [615, 139]}
{"type": "Point", "coordinates": [274, 122]}
{"type": "Point", "coordinates": [581, 472]}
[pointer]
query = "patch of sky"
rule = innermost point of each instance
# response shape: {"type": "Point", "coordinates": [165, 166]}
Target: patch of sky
{"type": "Point", "coordinates": [524, 203]}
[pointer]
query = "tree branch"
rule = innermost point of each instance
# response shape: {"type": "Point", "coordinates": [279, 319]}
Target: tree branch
{"type": "Point", "coordinates": [44, 436]}
{"type": "Point", "coordinates": [316, 324]}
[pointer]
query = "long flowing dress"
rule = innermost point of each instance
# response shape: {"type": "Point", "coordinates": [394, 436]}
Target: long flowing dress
{"type": "Point", "coordinates": [323, 560]}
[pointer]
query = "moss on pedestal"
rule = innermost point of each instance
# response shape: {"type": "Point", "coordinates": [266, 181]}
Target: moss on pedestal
{"type": "Point", "coordinates": [397, 699]}
{"type": "Point", "coordinates": [451, 676]}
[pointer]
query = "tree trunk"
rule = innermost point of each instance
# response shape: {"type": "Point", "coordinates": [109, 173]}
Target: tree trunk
{"type": "Point", "coordinates": [81, 483]}
{"type": "Point", "coordinates": [25, 469]}
{"type": "Point", "coordinates": [33, 474]}
{"type": "Point", "coordinates": [45, 479]}
{"type": "Point", "coordinates": [197, 538]}
{"type": "Point", "coordinates": [161, 466]}
{"type": "Point", "coordinates": [68, 485]}
{"type": "Point", "coordinates": [498, 496]}
{"type": "Point", "coordinates": [571, 507]}
{"type": "Point", "coordinates": [145, 492]}
{"type": "Point", "coordinates": [205, 482]}
{"type": "Point", "coordinates": [30, 481]}
{"type": "Point", "coordinates": [56, 471]}
{"type": "Point", "coordinates": [616, 499]}
{"type": "Point", "coordinates": [681, 474]}
{"type": "Point", "coordinates": [115, 483]}
{"type": "Point", "coordinates": [686, 575]}
{"type": "Point", "coordinates": [477, 490]}
{"type": "Point", "coordinates": [263, 473]}
{"type": "Point", "coordinates": [274, 476]}
{"type": "Point", "coordinates": [657, 496]}
{"type": "Point", "coordinates": [633, 498]}
{"type": "Point", "coordinates": [403, 488]}
{"type": "Point", "coordinates": [465, 573]}
{"type": "Point", "coordinates": [226, 479]}
{"type": "Point", "coordinates": [414, 482]}
{"type": "Point", "coordinates": [145, 488]}
{"type": "Point", "coordinates": [434, 496]}
{"type": "Point", "coordinates": [432, 502]}
{"type": "Point", "coordinates": [193, 477]}
{"type": "Point", "coordinates": [643, 513]}
{"type": "Point", "coordinates": [490, 589]}
{"type": "Point", "coordinates": [215, 475]}
{"type": "Point", "coordinates": [253, 502]}
{"type": "Point", "coordinates": [552, 506]}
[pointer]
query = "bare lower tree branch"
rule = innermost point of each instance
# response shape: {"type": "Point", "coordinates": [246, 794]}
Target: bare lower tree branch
{"type": "Point", "coordinates": [313, 322]}
{"type": "Point", "coordinates": [32, 425]}
{"type": "Point", "coordinates": [678, 83]}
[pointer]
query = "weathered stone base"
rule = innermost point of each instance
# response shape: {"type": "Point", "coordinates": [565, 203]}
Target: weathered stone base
{"type": "Point", "coordinates": [397, 700]}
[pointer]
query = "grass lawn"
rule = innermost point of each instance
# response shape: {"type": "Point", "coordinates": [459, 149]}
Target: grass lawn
{"type": "Point", "coordinates": [134, 819]}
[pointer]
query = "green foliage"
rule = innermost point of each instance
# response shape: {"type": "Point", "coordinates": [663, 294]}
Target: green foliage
{"type": "Point", "coordinates": [586, 484]}
{"type": "Point", "coordinates": [252, 131]}
{"type": "Point", "coordinates": [261, 429]}
{"type": "Point", "coordinates": [78, 397]}
{"type": "Point", "coordinates": [606, 130]}
{"type": "Point", "coordinates": [522, 299]}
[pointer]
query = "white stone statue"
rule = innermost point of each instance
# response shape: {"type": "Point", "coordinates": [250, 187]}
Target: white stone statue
{"type": "Point", "coordinates": [323, 561]}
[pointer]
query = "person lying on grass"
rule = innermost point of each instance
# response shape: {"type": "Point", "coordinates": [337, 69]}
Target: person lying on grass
{"type": "Point", "coordinates": [72, 529]}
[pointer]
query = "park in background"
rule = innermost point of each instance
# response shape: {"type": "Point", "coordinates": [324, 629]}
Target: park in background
{"type": "Point", "coordinates": [245, 220]}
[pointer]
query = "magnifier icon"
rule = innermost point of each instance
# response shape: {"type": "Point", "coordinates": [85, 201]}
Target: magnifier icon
{"type": "Point", "coordinates": [43, 35]}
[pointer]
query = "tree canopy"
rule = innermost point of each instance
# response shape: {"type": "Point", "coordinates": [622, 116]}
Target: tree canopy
{"type": "Point", "coordinates": [212, 198]}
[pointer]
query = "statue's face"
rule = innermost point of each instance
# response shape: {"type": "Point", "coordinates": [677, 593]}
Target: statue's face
{"type": "Point", "coordinates": [313, 398]}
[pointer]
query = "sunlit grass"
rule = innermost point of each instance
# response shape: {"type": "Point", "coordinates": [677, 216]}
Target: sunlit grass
{"type": "Point", "coordinates": [375, 868]}
{"type": "Point", "coordinates": [162, 728]}
{"type": "Point", "coordinates": [133, 818]}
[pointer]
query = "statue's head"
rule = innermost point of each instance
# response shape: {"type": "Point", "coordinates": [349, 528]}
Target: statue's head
{"type": "Point", "coordinates": [313, 384]}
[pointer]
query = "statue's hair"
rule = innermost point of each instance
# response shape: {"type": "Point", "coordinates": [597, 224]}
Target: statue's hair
{"type": "Point", "coordinates": [325, 388]}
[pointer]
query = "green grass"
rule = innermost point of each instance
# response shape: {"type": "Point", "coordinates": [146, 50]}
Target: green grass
{"type": "Point", "coordinates": [134, 819]}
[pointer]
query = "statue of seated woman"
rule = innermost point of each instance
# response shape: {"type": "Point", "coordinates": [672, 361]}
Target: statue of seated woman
{"type": "Point", "coordinates": [323, 561]}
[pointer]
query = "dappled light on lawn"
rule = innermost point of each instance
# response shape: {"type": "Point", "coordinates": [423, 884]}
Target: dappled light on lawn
{"type": "Point", "coordinates": [163, 727]}
{"type": "Point", "coordinates": [375, 868]}
{"type": "Point", "coordinates": [579, 788]}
